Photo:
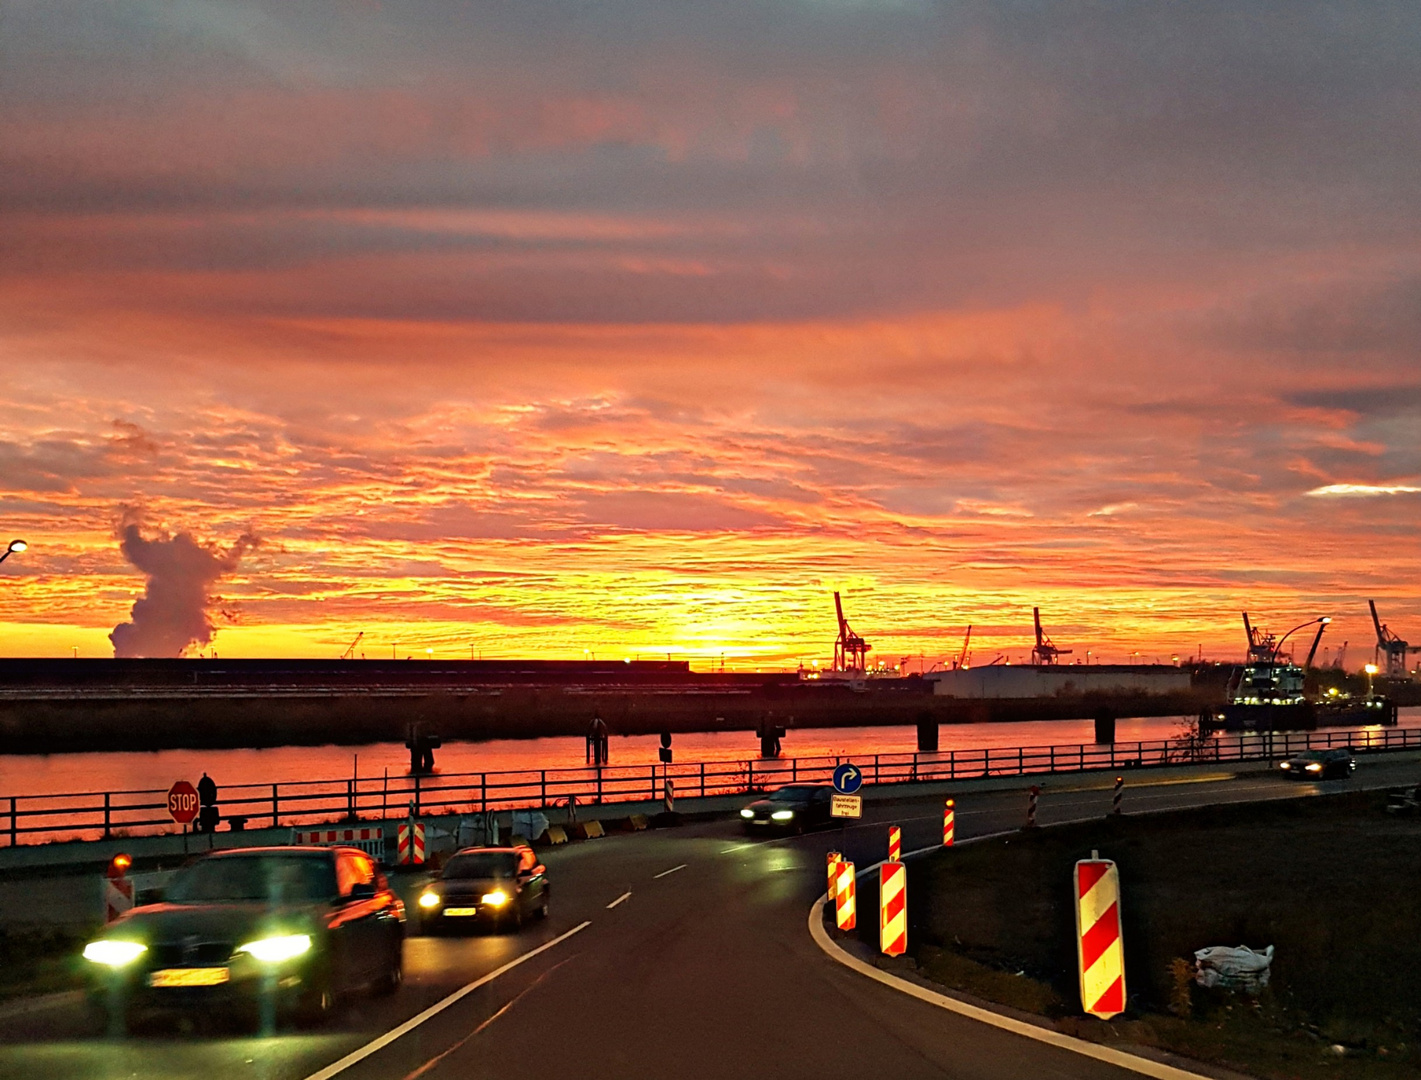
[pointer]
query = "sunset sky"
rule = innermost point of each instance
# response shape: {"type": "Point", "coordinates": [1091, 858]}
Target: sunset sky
{"type": "Point", "coordinates": [635, 328]}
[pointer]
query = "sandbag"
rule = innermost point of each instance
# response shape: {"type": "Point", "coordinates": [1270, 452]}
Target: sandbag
{"type": "Point", "coordinates": [1233, 969]}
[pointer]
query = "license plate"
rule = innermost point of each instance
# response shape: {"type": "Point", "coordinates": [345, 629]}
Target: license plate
{"type": "Point", "coordinates": [214, 976]}
{"type": "Point", "coordinates": [458, 911]}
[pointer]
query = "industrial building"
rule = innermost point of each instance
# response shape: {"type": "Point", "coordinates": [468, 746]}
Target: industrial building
{"type": "Point", "coordinates": [1058, 680]}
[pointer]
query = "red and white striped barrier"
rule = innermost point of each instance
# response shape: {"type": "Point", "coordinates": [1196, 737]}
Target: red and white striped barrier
{"type": "Point", "coordinates": [895, 843]}
{"type": "Point", "coordinates": [1119, 791]}
{"type": "Point", "coordinates": [949, 823]}
{"type": "Point", "coordinates": [893, 908]}
{"type": "Point", "coordinates": [118, 897]}
{"type": "Point", "coordinates": [1099, 946]}
{"type": "Point", "coordinates": [369, 840]}
{"type": "Point", "coordinates": [1032, 796]}
{"type": "Point", "coordinates": [411, 844]}
{"type": "Point", "coordinates": [844, 894]}
{"type": "Point", "coordinates": [832, 860]}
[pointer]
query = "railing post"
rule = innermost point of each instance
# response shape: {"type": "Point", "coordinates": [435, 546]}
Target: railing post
{"type": "Point", "coordinates": [703, 779]}
{"type": "Point", "coordinates": [108, 831]}
{"type": "Point", "coordinates": [952, 764]}
{"type": "Point", "coordinates": [416, 794]}
{"type": "Point", "coordinates": [1053, 759]}
{"type": "Point", "coordinates": [1020, 761]}
{"type": "Point", "coordinates": [483, 793]}
{"type": "Point", "coordinates": [750, 781]}
{"type": "Point", "coordinates": [275, 812]}
{"type": "Point", "coordinates": [14, 822]}
{"type": "Point", "coordinates": [545, 786]}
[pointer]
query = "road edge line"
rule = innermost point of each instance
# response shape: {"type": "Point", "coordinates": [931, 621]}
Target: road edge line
{"type": "Point", "coordinates": [1109, 1055]}
{"type": "Point", "coordinates": [380, 1042]}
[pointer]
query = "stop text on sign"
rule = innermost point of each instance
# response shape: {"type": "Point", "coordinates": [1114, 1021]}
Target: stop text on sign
{"type": "Point", "coordinates": [182, 802]}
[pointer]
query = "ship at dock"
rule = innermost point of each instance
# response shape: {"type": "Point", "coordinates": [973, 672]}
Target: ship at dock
{"type": "Point", "coordinates": [1270, 692]}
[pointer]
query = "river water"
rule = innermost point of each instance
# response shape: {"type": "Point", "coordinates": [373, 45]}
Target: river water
{"type": "Point", "coordinates": [156, 770]}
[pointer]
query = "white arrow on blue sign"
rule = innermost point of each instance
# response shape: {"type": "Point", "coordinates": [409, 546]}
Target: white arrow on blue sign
{"type": "Point", "coordinates": [848, 778]}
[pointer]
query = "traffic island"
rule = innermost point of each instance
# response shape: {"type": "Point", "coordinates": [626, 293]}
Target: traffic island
{"type": "Point", "coordinates": [1333, 883]}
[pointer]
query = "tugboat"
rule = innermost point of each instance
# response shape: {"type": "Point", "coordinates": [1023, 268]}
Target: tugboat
{"type": "Point", "coordinates": [1268, 693]}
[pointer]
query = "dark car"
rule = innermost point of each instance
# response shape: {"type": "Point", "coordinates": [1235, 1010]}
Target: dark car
{"type": "Point", "coordinates": [497, 887]}
{"type": "Point", "coordinates": [793, 808]}
{"type": "Point", "coordinates": [1320, 765]}
{"type": "Point", "coordinates": [289, 930]}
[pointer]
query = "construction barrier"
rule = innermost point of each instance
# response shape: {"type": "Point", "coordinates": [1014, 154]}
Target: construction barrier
{"type": "Point", "coordinates": [1119, 791]}
{"type": "Point", "coordinates": [1032, 796]}
{"type": "Point", "coordinates": [411, 843]}
{"type": "Point", "coordinates": [1099, 947]}
{"type": "Point", "coordinates": [638, 822]}
{"type": "Point", "coordinates": [949, 823]}
{"type": "Point", "coordinates": [556, 834]}
{"type": "Point", "coordinates": [370, 841]}
{"type": "Point", "coordinates": [832, 860]}
{"type": "Point", "coordinates": [844, 895]}
{"type": "Point", "coordinates": [895, 843]}
{"type": "Point", "coordinates": [893, 908]}
{"type": "Point", "coordinates": [118, 897]}
{"type": "Point", "coordinates": [669, 796]}
{"type": "Point", "coordinates": [590, 830]}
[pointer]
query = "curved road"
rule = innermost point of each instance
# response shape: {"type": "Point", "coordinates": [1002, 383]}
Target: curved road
{"type": "Point", "coordinates": [704, 970]}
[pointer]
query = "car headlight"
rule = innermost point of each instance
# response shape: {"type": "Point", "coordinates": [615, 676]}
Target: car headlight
{"type": "Point", "coordinates": [1314, 767]}
{"type": "Point", "coordinates": [747, 813]}
{"type": "Point", "coordinates": [1286, 765]}
{"type": "Point", "coordinates": [497, 898]}
{"type": "Point", "coordinates": [114, 953]}
{"type": "Point", "coordinates": [782, 815]}
{"type": "Point", "coordinates": [429, 899]}
{"type": "Point", "coordinates": [274, 950]}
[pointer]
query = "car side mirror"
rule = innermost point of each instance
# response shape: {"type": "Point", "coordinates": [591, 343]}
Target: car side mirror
{"type": "Point", "coordinates": [362, 890]}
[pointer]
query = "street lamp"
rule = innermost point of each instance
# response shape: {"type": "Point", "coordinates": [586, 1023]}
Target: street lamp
{"type": "Point", "coordinates": [1311, 622]}
{"type": "Point", "coordinates": [15, 545]}
{"type": "Point", "coordinates": [1370, 669]}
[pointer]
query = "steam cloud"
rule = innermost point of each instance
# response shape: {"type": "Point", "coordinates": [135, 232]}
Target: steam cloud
{"type": "Point", "coordinates": [171, 615]}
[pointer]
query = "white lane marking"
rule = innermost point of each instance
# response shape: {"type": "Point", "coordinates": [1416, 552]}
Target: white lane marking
{"type": "Point", "coordinates": [671, 871]}
{"type": "Point", "coordinates": [375, 1045]}
{"type": "Point", "coordinates": [625, 896]}
{"type": "Point", "coordinates": [1107, 1054]}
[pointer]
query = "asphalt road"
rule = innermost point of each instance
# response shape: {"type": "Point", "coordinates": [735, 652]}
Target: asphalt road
{"type": "Point", "coordinates": [679, 953]}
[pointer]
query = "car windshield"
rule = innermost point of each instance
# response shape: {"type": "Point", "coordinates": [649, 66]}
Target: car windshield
{"type": "Point", "coordinates": [792, 794]}
{"type": "Point", "coordinates": [1312, 755]}
{"type": "Point", "coordinates": [273, 878]}
{"type": "Point", "coordinates": [482, 864]}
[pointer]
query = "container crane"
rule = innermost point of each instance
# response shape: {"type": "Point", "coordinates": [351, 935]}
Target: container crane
{"type": "Point", "coordinates": [1045, 651]}
{"type": "Point", "coordinates": [1260, 645]}
{"type": "Point", "coordinates": [1322, 626]}
{"type": "Point", "coordinates": [850, 650]}
{"type": "Point", "coordinates": [349, 653]}
{"type": "Point", "coordinates": [1390, 646]}
{"type": "Point", "coordinates": [962, 659]}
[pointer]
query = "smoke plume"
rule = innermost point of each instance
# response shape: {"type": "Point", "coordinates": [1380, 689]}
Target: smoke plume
{"type": "Point", "coordinates": [172, 614]}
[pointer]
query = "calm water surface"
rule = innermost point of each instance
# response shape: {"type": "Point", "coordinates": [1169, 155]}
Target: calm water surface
{"type": "Point", "coordinates": [50, 774]}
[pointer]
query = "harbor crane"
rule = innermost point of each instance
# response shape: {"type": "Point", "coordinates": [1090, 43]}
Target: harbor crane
{"type": "Point", "coordinates": [1045, 651]}
{"type": "Point", "coordinates": [1390, 646]}
{"type": "Point", "coordinates": [850, 650]}
{"type": "Point", "coordinates": [963, 658]}
{"type": "Point", "coordinates": [1312, 653]}
{"type": "Point", "coordinates": [1261, 646]}
{"type": "Point", "coordinates": [349, 653]}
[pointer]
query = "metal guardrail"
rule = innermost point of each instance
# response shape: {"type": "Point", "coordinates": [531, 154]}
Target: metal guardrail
{"type": "Point", "coordinates": [93, 815]}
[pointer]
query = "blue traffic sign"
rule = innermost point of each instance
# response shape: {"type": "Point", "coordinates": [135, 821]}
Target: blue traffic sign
{"type": "Point", "coordinates": [848, 778]}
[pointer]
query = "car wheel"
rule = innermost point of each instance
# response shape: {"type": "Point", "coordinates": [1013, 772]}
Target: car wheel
{"type": "Point", "coordinates": [319, 1003]}
{"type": "Point", "coordinates": [394, 975]}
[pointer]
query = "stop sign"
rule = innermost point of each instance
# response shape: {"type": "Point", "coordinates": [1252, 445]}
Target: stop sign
{"type": "Point", "coordinates": [182, 802]}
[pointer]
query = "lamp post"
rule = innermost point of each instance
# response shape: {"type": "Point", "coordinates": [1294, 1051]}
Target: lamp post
{"type": "Point", "coordinates": [15, 545]}
{"type": "Point", "coordinates": [1311, 622]}
{"type": "Point", "coordinates": [1370, 669]}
